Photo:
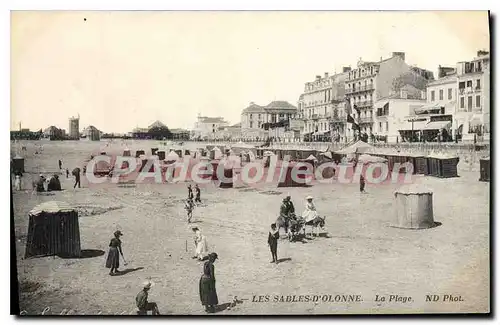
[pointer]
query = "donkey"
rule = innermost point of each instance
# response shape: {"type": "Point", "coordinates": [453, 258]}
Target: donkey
{"type": "Point", "coordinates": [316, 223]}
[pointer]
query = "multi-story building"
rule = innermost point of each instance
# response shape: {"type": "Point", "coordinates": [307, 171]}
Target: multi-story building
{"type": "Point", "coordinates": [321, 107]}
{"type": "Point", "coordinates": [180, 134]}
{"type": "Point", "coordinates": [371, 81]}
{"type": "Point", "coordinates": [206, 128]}
{"type": "Point", "coordinates": [392, 119]}
{"type": "Point", "coordinates": [272, 120]}
{"type": "Point", "coordinates": [74, 128]}
{"type": "Point", "coordinates": [473, 104]}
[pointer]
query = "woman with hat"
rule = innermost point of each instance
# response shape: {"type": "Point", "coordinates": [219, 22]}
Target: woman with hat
{"type": "Point", "coordinates": [115, 250]}
{"type": "Point", "coordinates": [208, 293]}
{"type": "Point", "coordinates": [310, 212]}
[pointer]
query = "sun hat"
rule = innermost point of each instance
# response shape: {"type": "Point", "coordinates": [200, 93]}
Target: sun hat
{"type": "Point", "coordinates": [309, 197]}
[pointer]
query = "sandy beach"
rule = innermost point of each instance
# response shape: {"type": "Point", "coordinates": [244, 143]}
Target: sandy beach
{"type": "Point", "coordinates": [361, 254]}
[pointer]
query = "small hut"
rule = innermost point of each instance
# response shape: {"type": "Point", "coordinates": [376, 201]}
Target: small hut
{"type": "Point", "coordinates": [172, 157]}
{"type": "Point", "coordinates": [53, 230]}
{"type": "Point", "coordinates": [126, 152]}
{"type": "Point", "coordinates": [154, 150]}
{"type": "Point", "coordinates": [484, 169]}
{"type": "Point", "coordinates": [139, 153]}
{"type": "Point", "coordinates": [442, 166]}
{"type": "Point", "coordinates": [161, 154]}
{"type": "Point", "coordinates": [18, 165]}
{"type": "Point", "coordinates": [287, 180]}
{"type": "Point", "coordinates": [413, 207]}
{"type": "Point", "coordinates": [228, 178]}
{"type": "Point", "coordinates": [215, 153]}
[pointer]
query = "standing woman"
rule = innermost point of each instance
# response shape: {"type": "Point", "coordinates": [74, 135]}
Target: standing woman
{"type": "Point", "coordinates": [115, 250]}
{"type": "Point", "coordinates": [272, 240]}
{"type": "Point", "coordinates": [208, 293]}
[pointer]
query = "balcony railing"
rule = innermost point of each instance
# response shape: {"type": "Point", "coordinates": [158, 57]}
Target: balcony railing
{"type": "Point", "coordinates": [359, 89]}
{"type": "Point", "coordinates": [337, 118]}
{"type": "Point", "coordinates": [366, 119]}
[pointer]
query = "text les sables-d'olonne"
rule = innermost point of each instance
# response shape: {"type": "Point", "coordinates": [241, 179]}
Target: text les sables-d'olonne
{"type": "Point", "coordinates": [307, 298]}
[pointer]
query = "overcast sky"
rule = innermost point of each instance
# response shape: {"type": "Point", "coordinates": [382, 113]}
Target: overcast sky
{"type": "Point", "coordinates": [119, 70]}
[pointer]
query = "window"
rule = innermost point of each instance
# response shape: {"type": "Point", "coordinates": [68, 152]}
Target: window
{"type": "Point", "coordinates": [478, 101]}
{"type": "Point", "coordinates": [450, 96]}
{"type": "Point", "coordinates": [462, 102]}
{"type": "Point", "coordinates": [469, 103]}
{"type": "Point", "coordinates": [380, 126]}
{"type": "Point", "coordinates": [441, 94]}
{"type": "Point", "coordinates": [251, 124]}
{"type": "Point", "coordinates": [433, 95]}
{"type": "Point", "coordinates": [251, 115]}
{"type": "Point", "coordinates": [259, 116]}
{"type": "Point", "coordinates": [469, 83]}
{"type": "Point", "coordinates": [478, 84]}
{"type": "Point", "coordinates": [387, 126]}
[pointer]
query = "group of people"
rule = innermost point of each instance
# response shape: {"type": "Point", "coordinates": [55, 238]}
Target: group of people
{"type": "Point", "coordinates": [190, 204]}
{"type": "Point", "coordinates": [287, 212]}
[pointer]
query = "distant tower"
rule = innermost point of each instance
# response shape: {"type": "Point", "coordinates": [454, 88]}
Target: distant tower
{"type": "Point", "coordinates": [74, 128]}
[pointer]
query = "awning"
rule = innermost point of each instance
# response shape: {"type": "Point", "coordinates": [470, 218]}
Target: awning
{"type": "Point", "coordinates": [438, 125]}
{"type": "Point", "coordinates": [418, 125]}
{"type": "Point", "coordinates": [475, 122]}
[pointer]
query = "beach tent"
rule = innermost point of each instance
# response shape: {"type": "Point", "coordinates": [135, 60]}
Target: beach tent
{"type": "Point", "coordinates": [251, 156]}
{"type": "Point", "coordinates": [154, 150]}
{"type": "Point", "coordinates": [484, 169]}
{"type": "Point", "coordinates": [215, 153]}
{"type": "Point", "coordinates": [228, 178]}
{"type": "Point", "coordinates": [126, 152]}
{"type": "Point", "coordinates": [139, 153]}
{"type": "Point", "coordinates": [441, 165]}
{"type": "Point", "coordinates": [172, 157]}
{"type": "Point", "coordinates": [53, 230]}
{"type": "Point", "coordinates": [161, 154]}
{"type": "Point", "coordinates": [54, 184]}
{"type": "Point", "coordinates": [18, 165]}
{"type": "Point", "coordinates": [367, 159]}
{"type": "Point", "coordinates": [148, 160]}
{"type": "Point", "coordinates": [286, 179]}
{"type": "Point", "coordinates": [358, 147]}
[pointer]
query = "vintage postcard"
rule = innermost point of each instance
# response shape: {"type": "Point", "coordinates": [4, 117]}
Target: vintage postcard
{"type": "Point", "coordinates": [250, 163]}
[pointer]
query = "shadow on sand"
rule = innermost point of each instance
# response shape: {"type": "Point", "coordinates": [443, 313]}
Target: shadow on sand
{"type": "Point", "coordinates": [129, 270]}
{"type": "Point", "coordinates": [85, 253]}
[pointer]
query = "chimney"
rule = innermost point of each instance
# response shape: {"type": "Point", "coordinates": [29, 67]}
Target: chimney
{"type": "Point", "coordinates": [482, 53]}
{"type": "Point", "coordinates": [399, 54]}
{"type": "Point", "coordinates": [326, 74]}
{"type": "Point", "coordinates": [346, 69]}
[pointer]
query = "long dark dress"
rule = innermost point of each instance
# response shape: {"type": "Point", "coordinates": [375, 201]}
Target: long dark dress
{"type": "Point", "coordinates": [113, 260]}
{"type": "Point", "coordinates": [272, 240]}
{"type": "Point", "coordinates": [208, 293]}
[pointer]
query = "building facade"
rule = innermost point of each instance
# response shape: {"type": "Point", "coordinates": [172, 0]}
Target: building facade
{"type": "Point", "coordinates": [392, 120]}
{"type": "Point", "coordinates": [372, 81]}
{"type": "Point", "coordinates": [74, 128]}
{"type": "Point", "coordinates": [321, 107]}
{"type": "Point", "coordinates": [270, 121]}
{"type": "Point", "coordinates": [92, 133]}
{"type": "Point", "coordinates": [473, 104]}
{"type": "Point", "coordinates": [207, 128]}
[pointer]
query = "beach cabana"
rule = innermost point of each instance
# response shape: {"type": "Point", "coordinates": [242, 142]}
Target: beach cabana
{"type": "Point", "coordinates": [228, 178]}
{"type": "Point", "coordinates": [369, 159]}
{"type": "Point", "coordinates": [161, 154]}
{"type": "Point", "coordinates": [286, 179]}
{"type": "Point", "coordinates": [484, 169]}
{"type": "Point", "coordinates": [443, 166]}
{"type": "Point", "coordinates": [18, 165]}
{"type": "Point", "coordinates": [139, 153]}
{"type": "Point", "coordinates": [53, 230]}
{"type": "Point", "coordinates": [148, 161]}
{"type": "Point", "coordinates": [171, 157]}
{"type": "Point", "coordinates": [126, 152]}
{"type": "Point", "coordinates": [102, 168]}
{"type": "Point", "coordinates": [154, 150]}
{"type": "Point", "coordinates": [215, 153]}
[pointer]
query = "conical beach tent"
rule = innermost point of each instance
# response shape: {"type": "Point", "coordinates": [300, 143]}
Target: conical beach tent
{"type": "Point", "coordinates": [53, 230]}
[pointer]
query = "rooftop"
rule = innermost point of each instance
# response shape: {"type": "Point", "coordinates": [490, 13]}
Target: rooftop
{"type": "Point", "coordinates": [206, 119]}
{"type": "Point", "coordinates": [280, 104]}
